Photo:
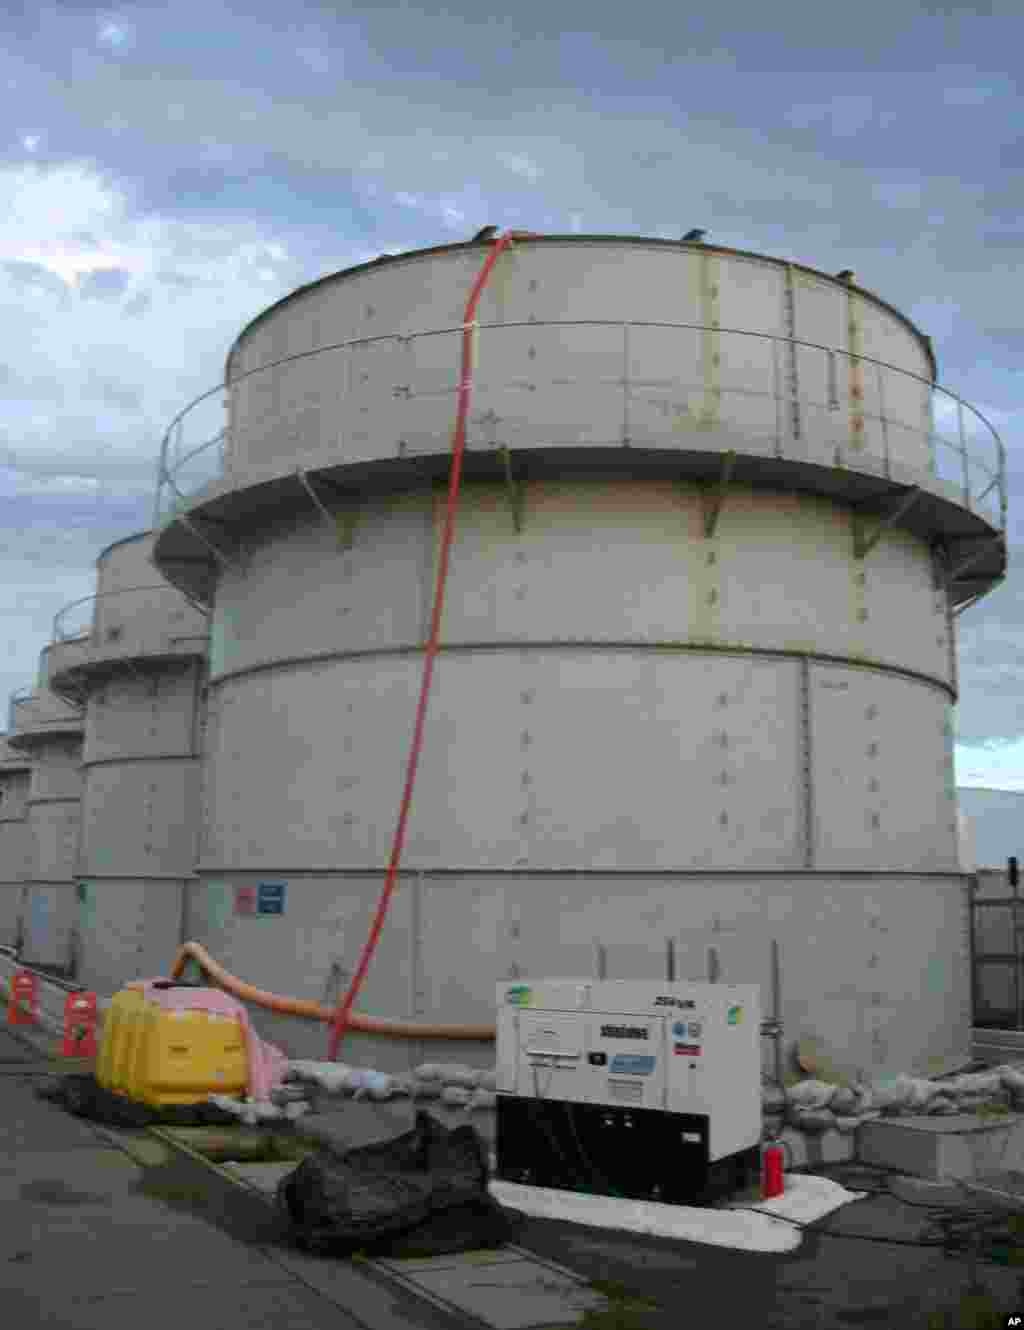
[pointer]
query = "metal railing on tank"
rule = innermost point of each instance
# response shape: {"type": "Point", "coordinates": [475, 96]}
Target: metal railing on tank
{"type": "Point", "coordinates": [28, 709]}
{"type": "Point", "coordinates": [79, 622]}
{"type": "Point", "coordinates": [663, 385]}
{"type": "Point", "coordinates": [16, 699]}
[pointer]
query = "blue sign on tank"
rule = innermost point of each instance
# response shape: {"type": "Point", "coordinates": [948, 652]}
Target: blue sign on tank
{"type": "Point", "coordinates": [270, 898]}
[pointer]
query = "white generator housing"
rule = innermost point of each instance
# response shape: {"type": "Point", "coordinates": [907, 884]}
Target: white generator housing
{"type": "Point", "coordinates": [668, 1072]}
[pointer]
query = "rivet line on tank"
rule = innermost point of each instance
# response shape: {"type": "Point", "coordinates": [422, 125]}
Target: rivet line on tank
{"type": "Point", "coordinates": [792, 374]}
{"type": "Point", "coordinates": [806, 761]}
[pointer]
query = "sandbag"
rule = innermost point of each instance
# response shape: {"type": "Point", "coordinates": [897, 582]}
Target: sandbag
{"type": "Point", "coordinates": [811, 1094]}
{"type": "Point", "coordinates": [845, 1102]}
{"type": "Point", "coordinates": [398, 1187]}
{"type": "Point", "coordinates": [331, 1077]}
{"type": "Point", "coordinates": [339, 1079]}
{"type": "Point", "coordinates": [1012, 1079]}
{"type": "Point", "coordinates": [449, 1073]}
{"type": "Point", "coordinates": [245, 1111]}
{"type": "Point", "coordinates": [377, 1085]}
{"type": "Point", "coordinates": [455, 1096]}
{"type": "Point", "coordinates": [909, 1093]}
{"type": "Point", "coordinates": [981, 1083]}
{"type": "Point", "coordinates": [970, 1103]}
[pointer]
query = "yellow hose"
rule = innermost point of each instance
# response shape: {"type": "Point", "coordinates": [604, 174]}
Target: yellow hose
{"type": "Point", "coordinates": [313, 1011]}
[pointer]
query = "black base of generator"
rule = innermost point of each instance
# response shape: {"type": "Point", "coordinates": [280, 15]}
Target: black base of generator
{"type": "Point", "coordinates": [636, 1153]}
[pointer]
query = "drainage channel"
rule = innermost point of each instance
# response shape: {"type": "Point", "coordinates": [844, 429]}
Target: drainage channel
{"type": "Point", "coordinates": [506, 1288]}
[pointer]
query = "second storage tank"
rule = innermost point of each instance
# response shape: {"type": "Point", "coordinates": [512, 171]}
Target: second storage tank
{"type": "Point", "coordinates": [139, 674]}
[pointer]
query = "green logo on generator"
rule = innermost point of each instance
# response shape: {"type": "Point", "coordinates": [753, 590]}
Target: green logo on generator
{"type": "Point", "coordinates": [518, 996]}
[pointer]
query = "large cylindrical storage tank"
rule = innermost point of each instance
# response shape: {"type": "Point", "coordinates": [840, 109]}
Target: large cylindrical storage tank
{"type": "Point", "coordinates": [47, 730]}
{"type": "Point", "coordinates": [15, 839]}
{"type": "Point", "coordinates": [698, 647]}
{"type": "Point", "coordinates": [139, 675]}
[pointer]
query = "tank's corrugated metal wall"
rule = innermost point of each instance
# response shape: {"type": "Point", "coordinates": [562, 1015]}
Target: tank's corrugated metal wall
{"type": "Point", "coordinates": [54, 808]}
{"type": "Point", "coordinates": [140, 807]}
{"type": "Point", "coordinates": [16, 848]}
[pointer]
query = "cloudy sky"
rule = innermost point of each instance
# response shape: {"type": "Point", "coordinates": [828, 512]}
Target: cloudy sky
{"type": "Point", "coordinates": [168, 171]}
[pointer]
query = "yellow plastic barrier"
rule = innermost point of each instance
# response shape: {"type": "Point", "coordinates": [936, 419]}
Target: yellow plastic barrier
{"type": "Point", "coordinates": [117, 1044]}
{"type": "Point", "coordinates": [182, 1057]}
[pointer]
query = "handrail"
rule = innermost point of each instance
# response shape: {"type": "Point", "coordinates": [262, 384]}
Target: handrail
{"type": "Point", "coordinates": [167, 472]}
{"type": "Point", "coordinates": [23, 695]}
{"type": "Point", "coordinates": [59, 633]}
{"type": "Point", "coordinates": [313, 1010]}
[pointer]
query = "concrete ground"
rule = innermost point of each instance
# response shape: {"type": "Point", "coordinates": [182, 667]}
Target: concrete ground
{"type": "Point", "coordinates": [96, 1239]}
{"type": "Point", "coordinates": [105, 1229]}
{"type": "Point", "coordinates": [861, 1269]}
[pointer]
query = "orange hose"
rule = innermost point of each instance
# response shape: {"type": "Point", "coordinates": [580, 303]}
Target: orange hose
{"type": "Point", "coordinates": [313, 1010]}
{"type": "Point", "coordinates": [342, 1018]}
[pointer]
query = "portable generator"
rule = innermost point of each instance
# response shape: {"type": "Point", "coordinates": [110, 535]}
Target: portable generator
{"type": "Point", "coordinates": [647, 1090]}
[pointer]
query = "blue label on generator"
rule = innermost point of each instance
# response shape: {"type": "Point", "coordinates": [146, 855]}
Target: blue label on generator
{"type": "Point", "coordinates": [632, 1064]}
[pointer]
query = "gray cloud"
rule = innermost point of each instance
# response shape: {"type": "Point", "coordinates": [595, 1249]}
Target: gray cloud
{"type": "Point", "coordinates": [886, 152]}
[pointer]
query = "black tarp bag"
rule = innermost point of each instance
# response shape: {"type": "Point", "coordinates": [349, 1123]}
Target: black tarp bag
{"type": "Point", "coordinates": [426, 1188]}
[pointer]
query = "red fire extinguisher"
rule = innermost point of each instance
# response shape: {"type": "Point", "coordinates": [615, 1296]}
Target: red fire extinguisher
{"type": "Point", "coordinates": [772, 1182]}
